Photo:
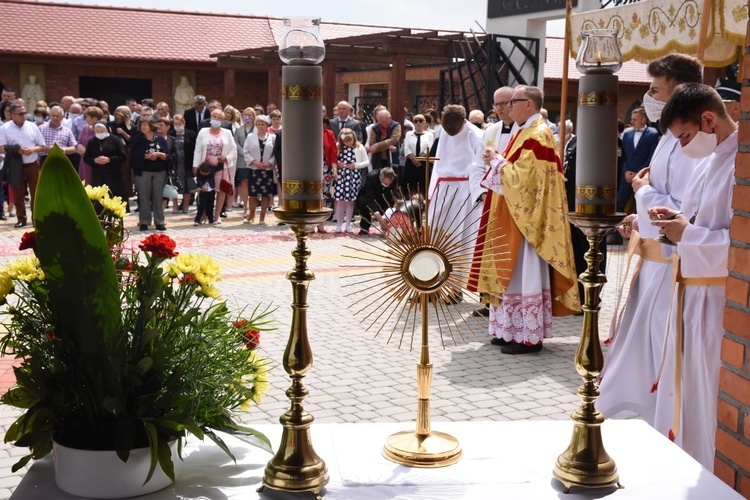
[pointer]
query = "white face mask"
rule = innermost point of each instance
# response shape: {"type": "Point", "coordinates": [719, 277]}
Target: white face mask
{"type": "Point", "coordinates": [73, 116]}
{"type": "Point", "coordinates": [216, 123]}
{"type": "Point", "coordinates": [702, 145]}
{"type": "Point", "coordinates": [102, 135]}
{"type": "Point", "coordinates": [653, 107]}
{"type": "Point", "coordinates": [179, 128]}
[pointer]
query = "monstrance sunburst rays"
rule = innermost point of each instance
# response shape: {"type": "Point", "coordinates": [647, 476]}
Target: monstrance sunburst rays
{"type": "Point", "coordinates": [423, 258]}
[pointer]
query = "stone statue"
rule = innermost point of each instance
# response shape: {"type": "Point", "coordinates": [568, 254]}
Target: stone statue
{"type": "Point", "coordinates": [183, 96]}
{"type": "Point", "coordinates": [31, 93]}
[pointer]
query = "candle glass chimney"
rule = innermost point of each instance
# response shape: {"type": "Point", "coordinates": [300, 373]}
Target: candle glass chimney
{"type": "Point", "coordinates": [302, 43]}
{"type": "Point", "coordinates": [599, 52]}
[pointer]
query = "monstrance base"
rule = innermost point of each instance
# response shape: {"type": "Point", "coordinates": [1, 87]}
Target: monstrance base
{"type": "Point", "coordinates": [435, 450]}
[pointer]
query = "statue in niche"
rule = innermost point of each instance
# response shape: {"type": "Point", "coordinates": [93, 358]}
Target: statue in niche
{"type": "Point", "coordinates": [183, 96]}
{"type": "Point", "coordinates": [32, 92]}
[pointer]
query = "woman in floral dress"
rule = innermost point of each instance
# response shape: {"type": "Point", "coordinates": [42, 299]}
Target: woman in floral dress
{"type": "Point", "coordinates": [352, 157]}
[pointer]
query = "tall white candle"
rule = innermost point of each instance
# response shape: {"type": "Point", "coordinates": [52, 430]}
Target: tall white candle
{"type": "Point", "coordinates": [596, 162]}
{"type": "Point", "coordinates": [302, 137]}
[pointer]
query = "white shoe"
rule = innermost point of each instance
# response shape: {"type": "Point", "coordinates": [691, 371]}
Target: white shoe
{"type": "Point", "coordinates": [216, 223]}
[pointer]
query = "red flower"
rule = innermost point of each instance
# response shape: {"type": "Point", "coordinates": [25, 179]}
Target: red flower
{"type": "Point", "coordinates": [28, 240]}
{"type": "Point", "coordinates": [187, 278]}
{"type": "Point", "coordinates": [252, 339]}
{"type": "Point", "coordinates": [159, 245]}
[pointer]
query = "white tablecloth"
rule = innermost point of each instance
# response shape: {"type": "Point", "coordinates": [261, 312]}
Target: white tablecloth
{"type": "Point", "coordinates": [512, 460]}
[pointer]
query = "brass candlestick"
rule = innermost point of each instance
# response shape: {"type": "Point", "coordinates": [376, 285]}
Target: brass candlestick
{"type": "Point", "coordinates": [296, 467]}
{"type": "Point", "coordinates": [585, 462]}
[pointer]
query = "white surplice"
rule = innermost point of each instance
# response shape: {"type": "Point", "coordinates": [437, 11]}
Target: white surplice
{"type": "Point", "coordinates": [703, 252]}
{"type": "Point", "coordinates": [455, 187]}
{"type": "Point", "coordinates": [635, 353]}
{"type": "Point", "coordinates": [525, 313]}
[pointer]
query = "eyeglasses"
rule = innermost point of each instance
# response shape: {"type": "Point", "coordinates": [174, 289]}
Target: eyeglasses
{"type": "Point", "coordinates": [514, 101]}
{"type": "Point", "coordinates": [502, 103]}
{"type": "Point", "coordinates": [418, 120]}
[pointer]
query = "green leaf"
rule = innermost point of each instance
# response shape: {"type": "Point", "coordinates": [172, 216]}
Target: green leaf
{"type": "Point", "coordinates": [219, 442]}
{"type": "Point", "coordinates": [80, 274]}
{"type": "Point", "coordinates": [19, 397]}
{"type": "Point", "coordinates": [21, 463]}
{"type": "Point", "coordinates": [165, 458]}
{"type": "Point", "coordinates": [249, 436]}
{"type": "Point", "coordinates": [144, 365]}
{"type": "Point", "coordinates": [125, 437]}
{"type": "Point", "coordinates": [193, 428]}
{"type": "Point", "coordinates": [153, 442]}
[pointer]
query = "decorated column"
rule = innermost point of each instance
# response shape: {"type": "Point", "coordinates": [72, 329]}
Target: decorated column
{"type": "Point", "coordinates": [596, 165]}
{"type": "Point", "coordinates": [302, 103]}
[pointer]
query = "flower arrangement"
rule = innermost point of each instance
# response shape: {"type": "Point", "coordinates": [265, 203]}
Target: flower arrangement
{"type": "Point", "coordinates": [120, 348]}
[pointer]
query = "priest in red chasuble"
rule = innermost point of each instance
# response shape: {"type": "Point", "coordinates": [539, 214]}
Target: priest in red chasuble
{"type": "Point", "coordinates": [526, 267]}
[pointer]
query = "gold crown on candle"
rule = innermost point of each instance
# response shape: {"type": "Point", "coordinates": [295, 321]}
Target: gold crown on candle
{"type": "Point", "coordinates": [596, 98]}
{"type": "Point", "coordinates": [596, 192]}
{"type": "Point", "coordinates": [302, 187]}
{"type": "Point", "coordinates": [302, 93]}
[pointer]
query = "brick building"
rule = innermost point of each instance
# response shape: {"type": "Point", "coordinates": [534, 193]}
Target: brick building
{"type": "Point", "coordinates": [732, 462]}
{"type": "Point", "coordinates": [159, 47]}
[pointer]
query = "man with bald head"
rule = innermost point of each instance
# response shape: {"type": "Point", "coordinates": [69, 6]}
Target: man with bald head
{"type": "Point", "coordinates": [344, 120]}
{"type": "Point", "coordinates": [384, 138]}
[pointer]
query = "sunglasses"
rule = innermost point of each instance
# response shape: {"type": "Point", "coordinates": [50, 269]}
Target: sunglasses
{"type": "Point", "coordinates": [418, 120]}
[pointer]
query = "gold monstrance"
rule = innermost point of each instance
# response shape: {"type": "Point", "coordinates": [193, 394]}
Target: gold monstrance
{"type": "Point", "coordinates": [418, 263]}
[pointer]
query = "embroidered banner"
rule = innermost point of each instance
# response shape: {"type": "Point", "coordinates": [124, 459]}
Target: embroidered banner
{"type": "Point", "coordinates": [653, 28]}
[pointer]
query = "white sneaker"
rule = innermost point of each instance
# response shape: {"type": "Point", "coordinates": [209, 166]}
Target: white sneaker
{"type": "Point", "coordinates": [216, 223]}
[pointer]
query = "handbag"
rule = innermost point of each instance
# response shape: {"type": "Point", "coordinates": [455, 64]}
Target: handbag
{"type": "Point", "coordinates": [169, 191]}
{"type": "Point", "coordinates": [225, 186]}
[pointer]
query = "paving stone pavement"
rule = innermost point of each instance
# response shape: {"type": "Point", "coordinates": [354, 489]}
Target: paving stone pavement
{"type": "Point", "coordinates": [357, 377]}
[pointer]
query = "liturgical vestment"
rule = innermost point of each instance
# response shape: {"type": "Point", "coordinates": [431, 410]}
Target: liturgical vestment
{"type": "Point", "coordinates": [523, 259]}
{"type": "Point", "coordinates": [686, 412]}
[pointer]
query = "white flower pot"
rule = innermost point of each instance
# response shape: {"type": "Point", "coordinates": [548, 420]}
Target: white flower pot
{"type": "Point", "coordinates": [101, 474]}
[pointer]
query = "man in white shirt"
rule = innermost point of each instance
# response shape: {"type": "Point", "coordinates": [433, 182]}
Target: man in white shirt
{"type": "Point", "coordinates": [21, 141]}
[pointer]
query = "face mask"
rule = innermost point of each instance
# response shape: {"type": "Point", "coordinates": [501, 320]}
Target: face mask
{"type": "Point", "coordinates": [653, 107]}
{"type": "Point", "coordinates": [38, 120]}
{"type": "Point", "coordinates": [102, 135]}
{"type": "Point", "coordinates": [702, 145]}
{"type": "Point", "coordinates": [73, 116]}
{"type": "Point", "coordinates": [491, 120]}
{"type": "Point", "coordinates": [478, 125]}
{"type": "Point", "coordinates": [179, 128]}
{"type": "Point", "coordinates": [216, 123]}
{"type": "Point", "coordinates": [248, 119]}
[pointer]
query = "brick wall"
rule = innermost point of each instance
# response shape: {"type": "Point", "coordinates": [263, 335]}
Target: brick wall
{"type": "Point", "coordinates": [732, 463]}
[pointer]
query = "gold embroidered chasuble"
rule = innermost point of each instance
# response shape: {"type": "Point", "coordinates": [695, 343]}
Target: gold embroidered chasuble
{"type": "Point", "coordinates": [532, 207]}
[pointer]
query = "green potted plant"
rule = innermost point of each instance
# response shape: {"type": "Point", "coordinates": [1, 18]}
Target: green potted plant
{"type": "Point", "coordinates": [120, 349]}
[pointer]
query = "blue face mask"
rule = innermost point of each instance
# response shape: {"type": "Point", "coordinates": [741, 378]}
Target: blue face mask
{"type": "Point", "coordinates": [73, 116]}
{"type": "Point", "coordinates": [216, 123]}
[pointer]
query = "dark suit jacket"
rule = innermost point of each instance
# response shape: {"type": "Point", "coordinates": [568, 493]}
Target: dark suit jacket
{"type": "Point", "coordinates": [374, 195]}
{"type": "Point", "coordinates": [207, 123]}
{"type": "Point", "coordinates": [351, 123]}
{"type": "Point", "coordinates": [277, 151]}
{"type": "Point", "coordinates": [637, 158]}
{"type": "Point", "coordinates": [190, 121]}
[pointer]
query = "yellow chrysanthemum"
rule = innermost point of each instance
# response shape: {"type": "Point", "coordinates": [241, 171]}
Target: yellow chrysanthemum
{"type": "Point", "coordinates": [96, 193]}
{"type": "Point", "coordinates": [6, 285]}
{"type": "Point", "coordinates": [25, 269]}
{"type": "Point", "coordinates": [210, 291]}
{"type": "Point", "coordinates": [114, 205]}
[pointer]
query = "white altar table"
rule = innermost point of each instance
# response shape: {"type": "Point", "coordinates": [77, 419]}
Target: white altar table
{"type": "Point", "coordinates": [511, 460]}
